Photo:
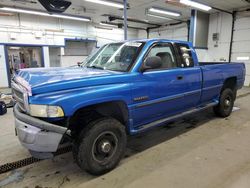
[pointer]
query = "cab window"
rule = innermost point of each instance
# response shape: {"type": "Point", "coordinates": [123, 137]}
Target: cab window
{"type": "Point", "coordinates": [186, 55]}
{"type": "Point", "coordinates": [165, 52]}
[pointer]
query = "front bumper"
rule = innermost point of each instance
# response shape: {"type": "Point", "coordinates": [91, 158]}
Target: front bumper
{"type": "Point", "coordinates": [36, 135]}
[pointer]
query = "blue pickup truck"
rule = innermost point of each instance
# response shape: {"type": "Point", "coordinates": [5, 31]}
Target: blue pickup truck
{"type": "Point", "coordinates": [123, 89]}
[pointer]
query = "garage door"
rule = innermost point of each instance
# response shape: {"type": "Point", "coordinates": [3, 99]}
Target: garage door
{"type": "Point", "coordinates": [241, 43]}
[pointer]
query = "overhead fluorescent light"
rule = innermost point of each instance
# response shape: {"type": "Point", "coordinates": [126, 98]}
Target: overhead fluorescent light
{"type": "Point", "coordinates": [107, 24]}
{"type": "Point", "coordinates": [196, 5]}
{"type": "Point", "coordinates": [107, 3]}
{"type": "Point", "coordinates": [243, 58]}
{"type": "Point", "coordinates": [71, 17]}
{"type": "Point", "coordinates": [24, 11]}
{"type": "Point", "coordinates": [33, 12]}
{"type": "Point", "coordinates": [163, 11]}
{"type": "Point", "coordinates": [106, 28]}
{"type": "Point", "coordinates": [156, 16]}
{"type": "Point", "coordinates": [14, 48]}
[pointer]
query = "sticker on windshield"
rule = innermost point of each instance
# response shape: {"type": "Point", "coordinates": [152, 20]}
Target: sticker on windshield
{"type": "Point", "coordinates": [134, 44]}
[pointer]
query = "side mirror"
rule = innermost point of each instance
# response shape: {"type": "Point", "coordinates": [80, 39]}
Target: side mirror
{"type": "Point", "coordinates": [153, 62]}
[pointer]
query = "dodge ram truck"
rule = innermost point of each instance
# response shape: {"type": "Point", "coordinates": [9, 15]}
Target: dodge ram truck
{"type": "Point", "coordinates": [124, 88]}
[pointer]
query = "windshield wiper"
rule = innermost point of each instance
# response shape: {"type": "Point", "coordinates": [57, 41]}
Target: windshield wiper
{"type": "Point", "coordinates": [95, 67]}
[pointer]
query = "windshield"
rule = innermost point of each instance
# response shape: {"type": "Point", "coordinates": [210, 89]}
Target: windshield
{"type": "Point", "coordinates": [115, 56]}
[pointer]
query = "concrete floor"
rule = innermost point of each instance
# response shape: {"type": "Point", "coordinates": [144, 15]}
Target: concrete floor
{"type": "Point", "coordinates": [201, 151]}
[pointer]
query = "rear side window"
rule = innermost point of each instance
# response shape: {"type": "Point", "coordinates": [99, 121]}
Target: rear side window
{"type": "Point", "coordinates": [186, 55]}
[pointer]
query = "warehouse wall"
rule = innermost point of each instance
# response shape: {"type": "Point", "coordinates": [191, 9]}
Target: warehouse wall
{"type": "Point", "coordinates": [178, 32]}
{"type": "Point", "coordinates": [52, 31]}
{"type": "Point", "coordinates": [43, 31]}
{"type": "Point", "coordinates": [217, 51]}
{"type": "Point", "coordinates": [221, 23]}
{"type": "Point", "coordinates": [142, 34]}
{"type": "Point", "coordinates": [3, 68]}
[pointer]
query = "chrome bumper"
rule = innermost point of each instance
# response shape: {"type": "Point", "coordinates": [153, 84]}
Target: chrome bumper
{"type": "Point", "coordinates": [37, 135]}
{"type": "Point", "coordinates": [36, 139]}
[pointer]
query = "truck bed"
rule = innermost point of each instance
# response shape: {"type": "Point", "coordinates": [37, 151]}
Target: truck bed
{"type": "Point", "coordinates": [212, 63]}
{"type": "Point", "coordinates": [215, 73]}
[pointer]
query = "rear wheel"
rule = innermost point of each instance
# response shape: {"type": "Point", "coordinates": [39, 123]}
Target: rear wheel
{"type": "Point", "coordinates": [100, 146]}
{"type": "Point", "coordinates": [226, 103]}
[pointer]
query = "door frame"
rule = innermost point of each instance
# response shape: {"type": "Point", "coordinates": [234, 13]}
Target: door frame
{"type": "Point", "coordinates": [19, 45]}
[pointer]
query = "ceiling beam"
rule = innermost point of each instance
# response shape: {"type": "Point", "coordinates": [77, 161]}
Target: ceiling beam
{"type": "Point", "coordinates": [222, 10]}
{"type": "Point", "coordinates": [120, 25]}
{"type": "Point", "coordinates": [113, 17]}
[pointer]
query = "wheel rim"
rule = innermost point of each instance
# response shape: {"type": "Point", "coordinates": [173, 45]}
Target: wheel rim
{"type": "Point", "coordinates": [104, 147]}
{"type": "Point", "coordinates": [227, 103]}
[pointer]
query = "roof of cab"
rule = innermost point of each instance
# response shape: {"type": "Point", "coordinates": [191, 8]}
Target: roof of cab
{"type": "Point", "coordinates": [160, 40]}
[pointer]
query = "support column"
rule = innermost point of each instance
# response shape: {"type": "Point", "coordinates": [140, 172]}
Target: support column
{"type": "Point", "coordinates": [45, 55]}
{"type": "Point", "coordinates": [125, 17]}
{"type": "Point", "coordinates": [232, 36]}
{"type": "Point", "coordinates": [4, 67]}
{"type": "Point", "coordinates": [192, 27]}
{"type": "Point", "coordinates": [148, 31]}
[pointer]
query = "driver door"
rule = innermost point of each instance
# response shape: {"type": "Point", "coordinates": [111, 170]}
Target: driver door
{"type": "Point", "coordinates": [159, 93]}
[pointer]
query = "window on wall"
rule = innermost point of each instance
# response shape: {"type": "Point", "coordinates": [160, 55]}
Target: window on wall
{"type": "Point", "coordinates": [76, 51]}
{"type": "Point", "coordinates": [24, 57]}
{"type": "Point", "coordinates": [165, 52]}
{"type": "Point", "coordinates": [55, 56]}
{"type": "Point", "coordinates": [79, 48]}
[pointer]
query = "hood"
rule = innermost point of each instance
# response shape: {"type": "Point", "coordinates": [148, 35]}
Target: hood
{"type": "Point", "coordinates": [52, 77]}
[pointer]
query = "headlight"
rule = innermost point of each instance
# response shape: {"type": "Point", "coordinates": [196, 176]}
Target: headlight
{"type": "Point", "coordinates": [46, 111]}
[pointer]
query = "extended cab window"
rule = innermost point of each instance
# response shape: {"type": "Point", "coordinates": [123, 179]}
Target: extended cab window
{"type": "Point", "coordinates": [165, 52]}
{"type": "Point", "coordinates": [186, 55]}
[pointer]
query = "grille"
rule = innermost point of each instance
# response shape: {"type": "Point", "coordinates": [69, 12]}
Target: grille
{"type": "Point", "coordinates": [20, 95]}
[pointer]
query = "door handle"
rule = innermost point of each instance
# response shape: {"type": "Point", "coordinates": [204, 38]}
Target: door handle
{"type": "Point", "coordinates": [180, 77]}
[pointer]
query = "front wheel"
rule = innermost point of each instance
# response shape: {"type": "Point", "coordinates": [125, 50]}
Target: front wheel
{"type": "Point", "coordinates": [226, 103]}
{"type": "Point", "coordinates": [100, 146]}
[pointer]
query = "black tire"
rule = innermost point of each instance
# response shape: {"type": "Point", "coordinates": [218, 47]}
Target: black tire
{"type": "Point", "coordinates": [226, 103]}
{"type": "Point", "coordinates": [100, 146]}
